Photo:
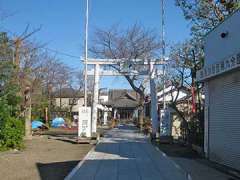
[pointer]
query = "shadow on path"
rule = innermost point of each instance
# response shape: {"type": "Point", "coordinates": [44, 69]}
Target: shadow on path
{"type": "Point", "coordinates": [56, 170]}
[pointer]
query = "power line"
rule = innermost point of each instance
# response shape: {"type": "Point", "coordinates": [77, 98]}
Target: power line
{"type": "Point", "coordinates": [48, 49]}
{"type": "Point", "coordinates": [62, 53]}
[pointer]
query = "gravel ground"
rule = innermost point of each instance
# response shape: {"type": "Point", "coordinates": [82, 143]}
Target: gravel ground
{"type": "Point", "coordinates": [43, 159]}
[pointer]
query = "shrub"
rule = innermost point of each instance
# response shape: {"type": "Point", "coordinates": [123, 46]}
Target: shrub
{"type": "Point", "coordinates": [11, 128]}
{"type": "Point", "coordinates": [11, 133]}
{"type": "Point", "coordinates": [68, 121]}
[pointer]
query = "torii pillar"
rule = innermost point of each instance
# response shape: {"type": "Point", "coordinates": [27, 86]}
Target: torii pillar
{"type": "Point", "coordinates": [95, 99]}
{"type": "Point", "coordinates": [154, 113]}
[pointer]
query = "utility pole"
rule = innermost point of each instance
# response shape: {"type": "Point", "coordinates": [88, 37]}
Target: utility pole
{"type": "Point", "coordinates": [165, 120]}
{"type": "Point", "coordinates": [86, 54]}
{"type": "Point", "coordinates": [163, 50]}
{"type": "Point", "coordinates": [84, 116]}
{"type": "Point", "coordinates": [96, 79]}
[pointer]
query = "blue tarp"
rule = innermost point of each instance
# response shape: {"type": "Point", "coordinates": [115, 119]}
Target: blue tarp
{"type": "Point", "coordinates": [57, 122]}
{"type": "Point", "coordinates": [36, 124]}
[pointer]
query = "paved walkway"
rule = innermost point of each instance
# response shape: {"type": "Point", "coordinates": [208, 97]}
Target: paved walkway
{"type": "Point", "coordinates": [124, 154]}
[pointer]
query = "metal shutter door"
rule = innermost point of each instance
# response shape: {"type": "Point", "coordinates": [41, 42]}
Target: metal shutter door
{"type": "Point", "coordinates": [224, 120]}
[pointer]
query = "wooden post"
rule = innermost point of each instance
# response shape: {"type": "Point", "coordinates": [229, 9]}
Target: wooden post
{"type": "Point", "coordinates": [46, 115]}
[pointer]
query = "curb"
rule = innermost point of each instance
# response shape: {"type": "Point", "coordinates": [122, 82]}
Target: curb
{"type": "Point", "coordinates": [188, 175]}
{"type": "Point", "coordinates": [78, 166]}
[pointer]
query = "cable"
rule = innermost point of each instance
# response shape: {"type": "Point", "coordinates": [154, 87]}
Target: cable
{"type": "Point", "coordinates": [49, 49]}
{"type": "Point", "coordinates": [62, 53]}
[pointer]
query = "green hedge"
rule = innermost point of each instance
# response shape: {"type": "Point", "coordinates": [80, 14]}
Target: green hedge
{"type": "Point", "coordinates": [11, 133]}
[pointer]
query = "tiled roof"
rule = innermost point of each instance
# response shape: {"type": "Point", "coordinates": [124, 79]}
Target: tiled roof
{"type": "Point", "coordinates": [67, 93]}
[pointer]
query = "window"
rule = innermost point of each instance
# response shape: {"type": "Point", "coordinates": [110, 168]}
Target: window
{"type": "Point", "coordinates": [72, 101]}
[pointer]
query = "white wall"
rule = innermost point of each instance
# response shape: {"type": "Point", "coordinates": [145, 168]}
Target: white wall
{"type": "Point", "coordinates": [65, 103]}
{"type": "Point", "coordinates": [172, 96]}
{"type": "Point", "coordinates": [218, 48]}
{"type": "Point", "coordinates": [103, 98]}
{"type": "Point", "coordinates": [79, 104]}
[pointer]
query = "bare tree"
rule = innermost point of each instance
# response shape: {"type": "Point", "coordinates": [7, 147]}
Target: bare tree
{"type": "Point", "coordinates": [44, 73]}
{"type": "Point", "coordinates": [188, 58]}
{"type": "Point", "coordinates": [135, 42]}
{"type": "Point", "coordinates": [79, 85]}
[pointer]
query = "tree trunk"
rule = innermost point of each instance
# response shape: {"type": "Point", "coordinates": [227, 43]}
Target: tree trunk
{"type": "Point", "coordinates": [28, 113]}
{"type": "Point", "coordinates": [28, 127]}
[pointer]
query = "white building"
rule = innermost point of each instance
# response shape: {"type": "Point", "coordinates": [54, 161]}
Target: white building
{"type": "Point", "coordinates": [68, 100]}
{"type": "Point", "coordinates": [103, 98]}
{"type": "Point", "coordinates": [221, 77]}
{"type": "Point", "coordinates": [171, 94]}
{"type": "Point", "coordinates": [180, 97]}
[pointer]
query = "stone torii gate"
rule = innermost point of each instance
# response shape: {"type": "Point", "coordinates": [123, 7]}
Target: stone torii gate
{"type": "Point", "coordinates": [149, 71]}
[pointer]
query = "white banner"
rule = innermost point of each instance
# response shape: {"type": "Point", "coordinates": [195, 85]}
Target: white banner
{"type": "Point", "coordinates": [84, 122]}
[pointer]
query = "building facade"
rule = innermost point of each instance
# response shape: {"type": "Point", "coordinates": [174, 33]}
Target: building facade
{"type": "Point", "coordinates": [67, 100]}
{"type": "Point", "coordinates": [221, 77]}
{"type": "Point", "coordinates": [123, 102]}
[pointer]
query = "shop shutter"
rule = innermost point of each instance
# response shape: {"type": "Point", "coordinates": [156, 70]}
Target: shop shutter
{"type": "Point", "coordinates": [224, 119]}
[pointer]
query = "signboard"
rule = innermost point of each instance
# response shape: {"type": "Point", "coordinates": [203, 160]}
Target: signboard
{"type": "Point", "coordinates": [84, 122]}
{"type": "Point", "coordinates": [165, 123]}
{"type": "Point", "coordinates": [223, 66]}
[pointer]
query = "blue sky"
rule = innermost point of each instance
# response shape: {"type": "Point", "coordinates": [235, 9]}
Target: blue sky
{"type": "Point", "coordinates": [62, 23]}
